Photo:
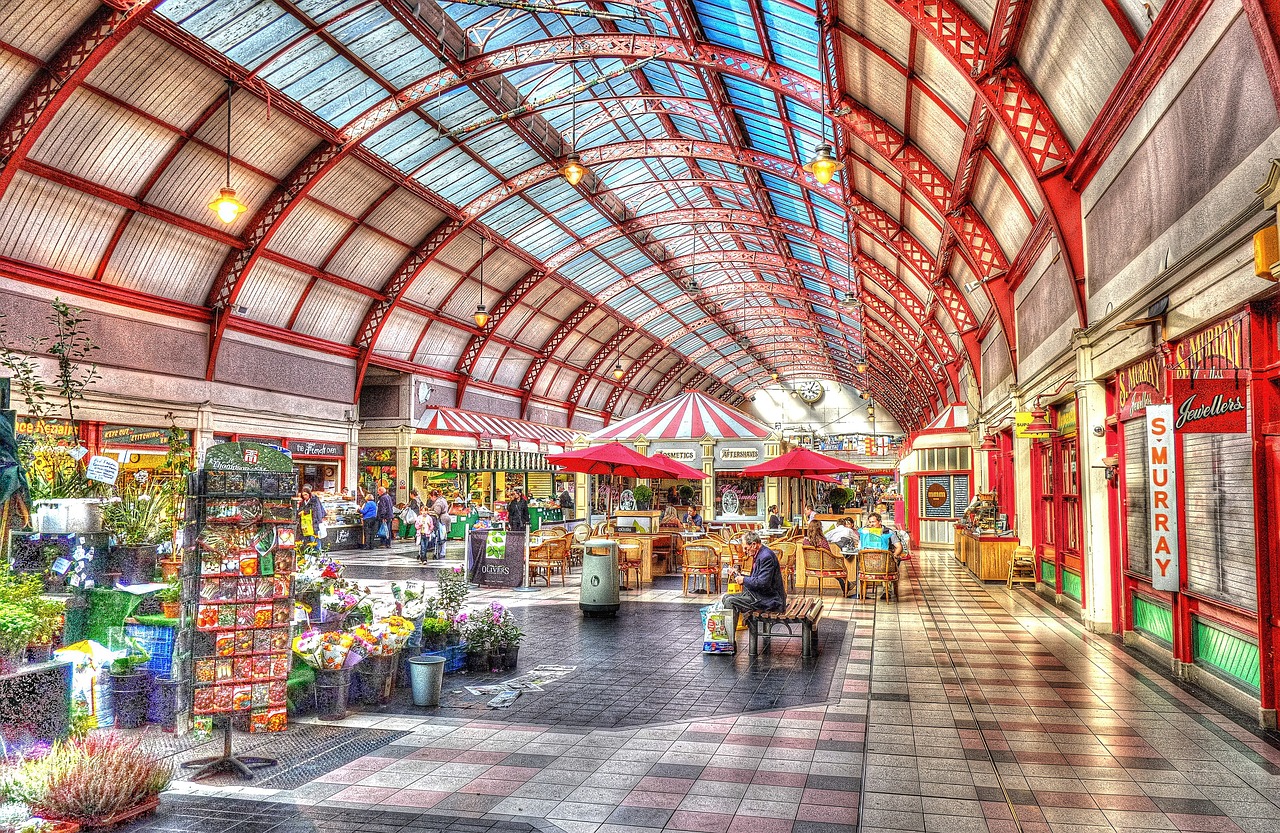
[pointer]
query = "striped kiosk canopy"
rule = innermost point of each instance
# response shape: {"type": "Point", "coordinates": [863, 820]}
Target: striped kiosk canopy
{"type": "Point", "coordinates": [690, 416]}
{"type": "Point", "coordinates": [952, 418]}
{"type": "Point", "coordinates": [458, 422]}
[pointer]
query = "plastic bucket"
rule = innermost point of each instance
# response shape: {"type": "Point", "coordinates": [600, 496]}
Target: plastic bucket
{"type": "Point", "coordinates": [375, 679]}
{"type": "Point", "coordinates": [332, 690]}
{"type": "Point", "coordinates": [129, 699]}
{"type": "Point", "coordinates": [426, 676]}
{"type": "Point", "coordinates": [163, 704]}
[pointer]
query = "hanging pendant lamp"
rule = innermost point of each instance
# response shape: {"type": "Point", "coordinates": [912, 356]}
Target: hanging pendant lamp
{"type": "Point", "coordinates": [482, 313]}
{"type": "Point", "coordinates": [573, 170]}
{"type": "Point", "coordinates": [618, 371]}
{"type": "Point", "coordinates": [823, 164]}
{"type": "Point", "coordinates": [226, 206]}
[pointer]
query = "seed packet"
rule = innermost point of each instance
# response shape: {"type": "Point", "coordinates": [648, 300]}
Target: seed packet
{"type": "Point", "coordinates": [280, 587]}
{"type": "Point", "coordinates": [226, 616]}
{"type": "Point", "coordinates": [225, 671]}
{"type": "Point", "coordinates": [262, 642]}
{"type": "Point", "coordinates": [270, 483]}
{"type": "Point", "coordinates": [225, 644]}
{"type": "Point", "coordinates": [235, 482]}
{"type": "Point", "coordinates": [210, 564]}
{"type": "Point", "coordinates": [278, 511]}
{"type": "Point", "coordinates": [246, 589]}
{"type": "Point", "coordinates": [230, 564]}
{"type": "Point", "coordinates": [281, 612]}
{"type": "Point", "coordinates": [279, 639]}
{"type": "Point", "coordinates": [277, 719]}
{"type": "Point", "coordinates": [250, 509]}
{"type": "Point", "coordinates": [242, 697]}
{"type": "Point", "coordinates": [249, 565]}
{"type": "Point", "coordinates": [267, 564]}
{"type": "Point", "coordinates": [244, 643]}
{"type": "Point", "coordinates": [262, 615]}
{"type": "Point", "coordinates": [261, 695]}
{"type": "Point", "coordinates": [224, 697]}
{"type": "Point", "coordinates": [265, 589]}
{"type": "Point", "coordinates": [244, 616]}
{"type": "Point", "coordinates": [279, 665]}
{"type": "Point", "coordinates": [205, 670]}
{"type": "Point", "coordinates": [242, 668]}
{"type": "Point", "coordinates": [252, 482]}
{"type": "Point", "coordinates": [216, 482]}
{"type": "Point", "coordinates": [277, 692]}
{"type": "Point", "coordinates": [259, 722]}
{"type": "Point", "coordinates": [206, 617]}
{"type": "Point", "coordinates": [286, 538]}
{"type": "Point", "coordinates": [262, 668]}
{"type": "Point", "coordinates": [206, 700]}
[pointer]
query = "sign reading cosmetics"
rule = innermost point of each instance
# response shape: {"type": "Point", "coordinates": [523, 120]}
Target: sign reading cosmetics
{"type": "Point", "coordinates": [688, 453]}
{"type": "Point", "coordinates": [1162, 482]}
{"type": "Point", "coordinates": [1211, 406]}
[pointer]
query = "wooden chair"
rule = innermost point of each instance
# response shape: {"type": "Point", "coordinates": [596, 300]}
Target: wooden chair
{"type": "Point", "coordinates": [877, 568]}
{"type": "Point", "coordinates": [578, 545]}
{"type": "Point", "coordinates": [701, 560]}
{"type": "Point", "coordinates": [823, 564]}
{"type": "Point", "coordinates": [541, 564]}
{"type": "Point", "coordinates": [630, 553]}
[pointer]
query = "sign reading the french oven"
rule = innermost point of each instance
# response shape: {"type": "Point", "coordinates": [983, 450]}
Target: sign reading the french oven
{"type": "Point", "coordinates": [1211, 406]}
{"type": "Point", "coordinates": [1139, 385]}
{"type": "Point", "coordinates": [307, 448]}
{"type": "Point", "coordinates": [1162, 483]}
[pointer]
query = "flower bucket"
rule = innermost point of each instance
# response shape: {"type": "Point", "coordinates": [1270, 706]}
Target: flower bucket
{"type": "Point", "coordinates": [40, 653]}
{"type": "Point", "coordinates": [374, 674]}
{"type": "Point", "coordinates": [170, 568]}
{"type": "Point", "coordinates": [426, 675]}
{"type": "Point", "coordinates": [171, 610]}
{"type": "Point", "coordinates": [162, 703]}
{"type": "Point", "coordinates": [477, 661]}
{"type": "Point", "coordinates": [332, 691]}
{"type": "Point", "coordinates": [135, 565]}
{"type": "Point", "coordinates": [129, 699]}
{"type": "Point", "coordinates": [510, 657]}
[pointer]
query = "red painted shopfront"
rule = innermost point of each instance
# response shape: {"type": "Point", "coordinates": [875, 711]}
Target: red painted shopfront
{"type": "Point", "coordinates": [1196, 531]}
{"type": "Point", "coordinates": [1056, 514]}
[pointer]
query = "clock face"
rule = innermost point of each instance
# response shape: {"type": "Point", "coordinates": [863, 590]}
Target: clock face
{"type": "Point", "coordinates": [811, 391]}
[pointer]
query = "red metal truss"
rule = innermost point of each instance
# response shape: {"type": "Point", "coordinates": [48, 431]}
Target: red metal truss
{"type": "Point", "coordinates": [624, 384]}
{"type": "Point", "coordinates": [551, 345]}
{"type": "Point", "coordinates": [1010, 93]}
{"type": "Point", "coordinates": [975, 139]}
{"type": "Point", "coordinates": [58, 79]}
{"type": "Point", "coordinates": [593, 365]}
{"type": "Point", "coordinates": [1007, 25]}
{"type": "Point", "coordinates": [660, 388]}
{"type": "Point", "coordinates": [475, 345]}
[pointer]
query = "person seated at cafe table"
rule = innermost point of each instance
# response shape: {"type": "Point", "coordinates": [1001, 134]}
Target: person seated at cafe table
{"type": "Point", "coordinates": [693, 519]}
{"type": "Point", "coordinates": [775, 520]}
{"type": "Point", "coordinates": [670, 519]}
{"type": "Point", "coordinates": [842, 532]}
{"type": "Point", "coordinates": [764, 588]}
{"type": "Point", "coordinates": [874, 536]}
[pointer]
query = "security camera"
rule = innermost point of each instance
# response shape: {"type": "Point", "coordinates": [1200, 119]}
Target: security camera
{"type": "Point", "coordinates": [1098, 430]}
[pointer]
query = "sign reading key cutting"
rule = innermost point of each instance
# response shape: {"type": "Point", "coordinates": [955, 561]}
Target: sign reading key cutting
{"type": "Point", "coordinates": [1162, 480]}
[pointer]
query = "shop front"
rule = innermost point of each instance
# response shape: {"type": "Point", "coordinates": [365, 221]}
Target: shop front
{"type": "Point", "coordinates": [937, 474]}
{"type": "Point", "coordinates": [738, 497]}
{"type": "Point", "coordinates": [479, 479]}
{"type": "Point", "coordinates": [1056, 518]}
{"type": "Point", "coordinates": [1190, 468]}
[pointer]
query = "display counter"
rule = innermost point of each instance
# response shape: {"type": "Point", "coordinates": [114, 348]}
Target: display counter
{"type": "Point", "coordinates": [344, 536]}
{"type": "Point", "coordinates": [539, 516]}
{"type": "Point", "coordinates": [985, 555]}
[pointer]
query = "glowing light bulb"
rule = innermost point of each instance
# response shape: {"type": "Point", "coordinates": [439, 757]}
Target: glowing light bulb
{"type": "Point", "coordinates": [226, 206]}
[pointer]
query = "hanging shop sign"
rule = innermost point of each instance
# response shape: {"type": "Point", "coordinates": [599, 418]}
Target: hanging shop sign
{"type": "Point", "coordinates": [116, 435]}
{"type": "Point", "coordinates": [1067, 419]}
{"type": "Point", "coordinates": [1162, 483]}
{"type": "Point", "coordinates": [738, 455]}
{"type": "Point", "coordinates": [1021, 420]}
{"type": "Point", "coordinates": [1211, 406]}
{"type": "Point", "coordinates": [1213, 351]}
{"type": "Point", "coordinates": [309, 448]}
{"type": "Point", "coordinates": [1138, 386]}
{"type": "Point", "coordinates": [495, 557]}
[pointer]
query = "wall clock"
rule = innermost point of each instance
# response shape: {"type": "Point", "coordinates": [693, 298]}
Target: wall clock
{"type": "Point", "coordinates": [811, 391]}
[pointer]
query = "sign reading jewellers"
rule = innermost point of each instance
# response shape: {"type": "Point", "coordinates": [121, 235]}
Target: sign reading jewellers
{"type": "Point", "coordinates": [738, 455]}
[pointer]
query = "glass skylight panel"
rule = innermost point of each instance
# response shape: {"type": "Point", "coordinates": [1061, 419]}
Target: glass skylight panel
{"type": "Point", "coordinates": [629, 263]}
{"type": "Point", "coordinates": [805, 116]}
{"type": "Point", "coordinates": [751, 95]}
{"type": "Point", "coordinates": [695, 129]}
{"type": "Point", "coordinates": [804, 251]}
{"type": "Point", "coordinates": [203, 19]}
{"type": "Point", "coordinates": [789, 208]}
{"type": "Point", "coordinates": [666, 292]}
{"type": "Point", "coordinates": [457, 177]}
{"type": "Point", "coordinates": [322, 11]}
{"type": "Point", "coordinates": [830, 224]}
{"type": "Point", "coordinates": [632, 307]}
{"type": "Point", "coordinates": [728, 24]}
{"type": "Point", "coordinates": [688, 312]}
{"type": "Point", "coordinates": [500, 148]}
{"type": "Point", "coordinates": [663, 325]}
{"type": "Point", "coordinates": [686, 344]}
{"type": "Point", "coordinates": [248, 48]}
{"type": "Point", "coordinates": [612, 248]}
{"type": "Point", "coordinates": [766, 134]}
{"type": "Point", "coordinates": [794, 36]}
{"type": "Point", "coordinates": [598, 278]}
{"type": "Point", "coordinates": [710, 332]}
{"type": "Point", "coordinates": [541, 238]}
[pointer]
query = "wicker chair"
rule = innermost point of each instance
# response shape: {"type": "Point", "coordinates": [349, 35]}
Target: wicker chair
{"type": "Point", "coordinates": [701, 560]}
{"type": "Point", "coordinates": [578, 544]}
{"type": "Point", "coordinates": [541, 564]}
{"type": "Point", "coordinates": [877, 568]}
{"type": "Point", "coordinates": [630, 553]}
{"type": "Point", "coordinates": [823, 564]}
{"type": "Point", "coordinates": [787, 562]}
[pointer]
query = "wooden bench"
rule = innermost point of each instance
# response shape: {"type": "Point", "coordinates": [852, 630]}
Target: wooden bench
{"type": "Point", "coordinates": [799, 611]}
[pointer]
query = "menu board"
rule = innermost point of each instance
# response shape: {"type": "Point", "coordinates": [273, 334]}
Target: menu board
{"type": "Point", "coordinates": [239, 578]}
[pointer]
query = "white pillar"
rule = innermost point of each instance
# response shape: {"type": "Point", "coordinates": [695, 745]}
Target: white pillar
{"type": "Point", "coordinates": [1021, 473]}
{"type": "Point", "coordinates": [1095, 536]}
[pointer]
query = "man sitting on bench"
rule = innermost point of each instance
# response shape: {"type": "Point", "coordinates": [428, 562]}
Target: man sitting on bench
{"type": "Point", "coordinates": [764, 589]}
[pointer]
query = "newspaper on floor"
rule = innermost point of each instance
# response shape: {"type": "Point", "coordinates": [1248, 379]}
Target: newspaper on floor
{"type": "Point", "coordinates": [503, 700]}
{"type": "Point", "coordinates": [498, 688]}
{"type": "Point", "coordinates": [532, 681]}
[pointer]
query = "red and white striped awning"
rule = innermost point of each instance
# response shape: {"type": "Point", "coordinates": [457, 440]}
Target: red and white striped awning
{"type": "Point", "coordinates": [690, 416]}
{"type": "Point", "coordinates": [952, 418]}
{"type": "Point", "coordinates": [454, 421]}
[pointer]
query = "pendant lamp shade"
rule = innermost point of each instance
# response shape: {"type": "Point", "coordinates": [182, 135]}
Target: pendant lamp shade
{"type": "Point", "coordinates": [823, 164]}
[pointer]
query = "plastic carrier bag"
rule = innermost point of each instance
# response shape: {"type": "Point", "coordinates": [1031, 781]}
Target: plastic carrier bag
{"type": "Point", "coordinates": [717, 638]}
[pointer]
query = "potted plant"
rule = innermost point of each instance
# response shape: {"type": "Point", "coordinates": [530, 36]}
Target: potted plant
{"type": "Point", "coordinates": [509, 636]}
{"type": "Point", "coordinates": [129, 688]}
{"type": "Point", "coordinates": [170, 599]}
{"type": "Point", "coordinates": [837, 496]}
{"type": "Point", "coordinates": [139, 518]}
{"type": "Point", "coordinates": [50, 617]}
{"type": "Point", "coordinates": [435, 634]}
{"type": "Point", "coordinates": [686, 495]}
{"type": "Point", "coordinates": [95, 781]}
{"type": "Point", "coordinates": [26, 619]}
{"type": "Point", "coordinates": [644, 497]}
{"type": "Point", "coordinates": [17, 623]}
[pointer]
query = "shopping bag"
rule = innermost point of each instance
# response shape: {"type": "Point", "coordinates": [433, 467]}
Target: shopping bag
{"type": "Point", "coordinates": [716, 636]}
{"type": "Point", "coordinates": [383, 530]}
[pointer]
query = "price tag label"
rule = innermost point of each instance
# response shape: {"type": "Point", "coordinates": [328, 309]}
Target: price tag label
{"type": "Point", "coordinates": [103, 469]}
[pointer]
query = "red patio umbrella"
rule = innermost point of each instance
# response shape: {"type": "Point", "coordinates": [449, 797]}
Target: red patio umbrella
{"type": "Point", "coordinates": [801, 462]}
{"type": "Point", "coordinates": [821, 478]}
{"type": "Point", "coordinates": [690, 473]}
{"type": "Point", "coordinates": [614, 458]}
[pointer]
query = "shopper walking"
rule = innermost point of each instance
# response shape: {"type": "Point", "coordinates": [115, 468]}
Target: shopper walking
{"type": "Point", "coordinates": [369, 517]}
{"type": "Point", "coordinates": [315, 512]}
{"type": "Point", "coordinates": [440, 508]}
{"type": "Point", "coordinates": [386, 516]}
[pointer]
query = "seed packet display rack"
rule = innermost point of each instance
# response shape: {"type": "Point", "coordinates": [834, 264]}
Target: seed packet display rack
{"type": "Point", "coordinates": [238, 596]}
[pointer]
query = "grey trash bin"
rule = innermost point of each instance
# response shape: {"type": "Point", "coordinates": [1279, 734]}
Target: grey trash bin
{"type": "Point", "coordinates": [599, 594]}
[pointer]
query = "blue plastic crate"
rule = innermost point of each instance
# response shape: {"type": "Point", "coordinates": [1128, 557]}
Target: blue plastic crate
{"type": "Point", "coordinates": [455, 657]}
{"type": "Point", "coordinates": [158, 641]}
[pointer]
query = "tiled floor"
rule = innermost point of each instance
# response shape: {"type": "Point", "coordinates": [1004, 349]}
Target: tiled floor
{"type": "Point", "coordinates": [957, 708]}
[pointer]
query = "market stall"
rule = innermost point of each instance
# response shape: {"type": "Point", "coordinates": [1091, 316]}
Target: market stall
{"type": "Point", "coordinates": [938, 476]}
{"type": "Point", "coordinates": [706, 434]}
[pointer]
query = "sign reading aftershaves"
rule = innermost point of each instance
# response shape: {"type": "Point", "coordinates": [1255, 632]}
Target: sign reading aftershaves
{"type": "Point", "coordinates": [1162, 483]}
{"type": "Point", "coordinates": [1211, 406]}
